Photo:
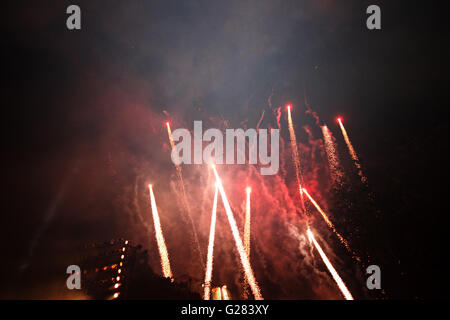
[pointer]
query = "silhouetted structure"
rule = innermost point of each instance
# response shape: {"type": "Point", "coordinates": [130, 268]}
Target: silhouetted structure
{"type": "Point", "coordinates": [118, 270]}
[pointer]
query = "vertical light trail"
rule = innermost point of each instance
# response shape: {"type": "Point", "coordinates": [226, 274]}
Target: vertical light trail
{"type": "Point", "coordinates": [330, 267]}
{"type": "Point", "coordinates": [331, 225]}
{"type": "Point", "coordinates": [248, 190]}
{"type": "Point", "coordinates": [184, 197]}
{"type": "Point", "coordinates": [247, 223]}
{"type": "Point", "coordinates": [240, 247]}
{"type": "Point", "coordinates": [296, 158]}
{"type": "Point", "coordinates": [165, 264]}
{"type": "Point", "coordinates": [225, 295]}
{"type": "Point", "coordinates": [337, 175]}
{"type": "Point", "coordinates": [352, 152]}
{"type": "Point", "coordinates": [209, 261]}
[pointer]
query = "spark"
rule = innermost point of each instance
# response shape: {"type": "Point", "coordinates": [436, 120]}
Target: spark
{"type": "Point", "coordinates": [240, 247]}
{"type": "Point", "coordinates": [337, 175]}
{"type": "Point", "coordinates": [165, 264]}
{"type": "Point", "coordinates": [331, 225]}
{"type": "Point", "coordinates": [184, 195]}
{"type": "Point", "coordinates": [247, 223]}
{"type": "Point", "coordinates": [209, 260]}
{"type": "Point", "coordinates": [330, 267]}
{"type": "Point", "coordinates": [296, 158]}
{"type": "Point", "coordinates": [352, 151]}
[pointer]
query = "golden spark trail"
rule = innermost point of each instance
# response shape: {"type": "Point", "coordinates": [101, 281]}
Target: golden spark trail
{"type": "Point", "coordinates": [240, 247]}
{"type": "Point", "coordinates": [184, 197]}
{"type": "Point", "coordinates": [247, 223]}
{"type": "Point", "coordinates": [296, 158]}
{"type": "Point", "coordinates": [352, 151]}
{"type": "Point", "coordinates": [330, 267]}
{"type": "Point", "coordinates": [336, 172]}
{"type": "Point", "coordinates": [331, 225]}
{"type": "Point", "coordinates": [209, 260]}
{"type": "Point", "coordinates": [165, 264]}
{"type": "Point", "coordinates": [247, 235]}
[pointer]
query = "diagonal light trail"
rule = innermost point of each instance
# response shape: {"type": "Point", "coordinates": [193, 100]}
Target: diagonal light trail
{"type": "Point", "coordinates": [330, 267]}
{"type": "Point", "coordinates": [240, 247]}
{"type": "Point", "coordinates": [209, 261]}
{"type": "Point", "coordinates": [165, 263]}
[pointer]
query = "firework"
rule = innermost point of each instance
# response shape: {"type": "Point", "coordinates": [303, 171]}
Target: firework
{"type": "Point", "coordinates": [240, 247]}
{"type": "Point", "coordinates": [352, 152]}
{"type": "Point", "coordinates": [331, 225]}
{"type": "Point", "coordinates": [336, 172]}
{"type": "Point", "coordinates": [247, 223]}
{"type": "Point", "coordinates": [165, 263]}
{"type": "Point", "coordinates": [296, 158]}
{"type": "Point", "coordinates": [209, 261]}
{"type": "Point", "coordinates": [184, 196]}
{"type": "Point", "coordinates": [330, 267]}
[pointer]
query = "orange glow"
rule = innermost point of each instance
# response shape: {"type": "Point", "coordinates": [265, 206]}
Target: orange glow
{"type": "Point", "coordinates": [118, 279]}
{"type": "Point", "coordinates": [122, 256]}
{"type": "Point", "coordinates": [330, 267]}
{"type": "Point", "coordinates": [116, 285]}
{"type": "Point", "coordinates": [116, 295]}
{"type": "Point", "coordinates": [217, 294]}
{"type": "Point", "coordinates": [119, 271]}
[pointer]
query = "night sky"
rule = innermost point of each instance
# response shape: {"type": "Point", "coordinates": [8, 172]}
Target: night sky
{"type": "Point", "coordinates": [83, 134]}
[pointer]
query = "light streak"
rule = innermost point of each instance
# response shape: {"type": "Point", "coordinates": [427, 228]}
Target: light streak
{"type": "Point", "coordinates": [337, 175]}
{"type": "Point", "coordinates": [165, 264]}
{"type": "Point", "coordinates": [240, 247]}
{"type": "Point", "coordinates": [247, 223]}
{"type": "Point", "coordinates": [209, 260]}
{"type": "Point", "coordinates": [330, 267]}
{"type": "Point", "coordinates": [331, 225]}
{"type": "Point", "coordinates": [225, 295]}
{"type": "Point", "coordinates": [352, 151]}
{"type": "Point", "coordinates": [296, 158]}
{"type": "Point", "coordinates": [184, 196]}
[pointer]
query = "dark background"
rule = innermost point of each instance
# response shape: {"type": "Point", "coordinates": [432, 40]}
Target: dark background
{"type": "Point", "coordinates": [70, 97]}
